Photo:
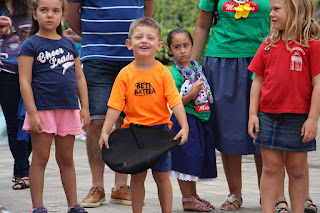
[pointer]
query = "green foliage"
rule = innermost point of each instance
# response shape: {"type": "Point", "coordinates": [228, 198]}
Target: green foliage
{"type": "Point", "coordinates": [176, 13]}
{"type": "Point", "coordinates": [172, 14]}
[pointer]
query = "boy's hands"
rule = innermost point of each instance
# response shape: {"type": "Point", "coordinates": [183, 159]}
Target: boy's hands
{"type": "Point", "coordinates": [183, 133]}
{"type": "Point", "coordinates": [253, 124]}
{"type": "Point", "coordinates": [104, 138]}
{"type": "Point", "coordinates": [111, 118]}
{"type": "Point", "coordinates": [309, 130]}
{"type": "Point", "coordinates": [35, 123]}
{"type": "Point", "coordinates": [85, 117]}
{"type": "Point", "coordinates": [181, 116]}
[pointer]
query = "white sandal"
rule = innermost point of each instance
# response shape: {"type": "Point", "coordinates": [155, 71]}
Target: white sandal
{"type": "Point", "coordinates": [232, 200]}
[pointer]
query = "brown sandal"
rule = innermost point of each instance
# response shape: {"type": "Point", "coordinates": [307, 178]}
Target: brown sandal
{"type": "Point", "coordinates": [232, 200]}
{"type": "Point", "coordinates": [198, 207]}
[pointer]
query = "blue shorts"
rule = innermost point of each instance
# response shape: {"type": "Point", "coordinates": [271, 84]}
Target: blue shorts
{"type": "Point", "coordinates": [164, 164]}
{"type": "Point", "coordinates": [100, 75]}
{"type": "Point", "coordinates": [283, 132]}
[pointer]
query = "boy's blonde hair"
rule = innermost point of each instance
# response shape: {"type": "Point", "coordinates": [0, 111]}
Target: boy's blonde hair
{"type": "Point", "coordinates": [145, 21]}
{"type": "Point", "coordinates": [300, 23]}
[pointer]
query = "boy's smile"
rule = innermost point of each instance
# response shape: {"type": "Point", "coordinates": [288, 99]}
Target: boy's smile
{"type": "Point", "coordinates": [144, 42]}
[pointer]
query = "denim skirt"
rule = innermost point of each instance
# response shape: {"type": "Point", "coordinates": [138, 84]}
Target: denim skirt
{"type": "Point", "coordinates": [283, 132]}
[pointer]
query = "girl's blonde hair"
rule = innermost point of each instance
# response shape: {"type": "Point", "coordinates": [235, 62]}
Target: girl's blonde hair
{"type": "Point", "coordinates": [35, 25]}
{"type": "Point", "coordinates": [300, 23]}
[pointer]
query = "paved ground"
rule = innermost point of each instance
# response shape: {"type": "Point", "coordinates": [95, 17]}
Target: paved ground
{"type": "Point", "coordinates": [215, 191]}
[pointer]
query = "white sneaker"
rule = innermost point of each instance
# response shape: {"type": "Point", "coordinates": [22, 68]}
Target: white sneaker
{"type": "Point", "coordinates": [3, 210]}
{"type": "Point", "coordinates": [81, 136]}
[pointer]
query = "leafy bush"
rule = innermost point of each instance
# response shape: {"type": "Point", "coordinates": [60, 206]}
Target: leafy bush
{"type": "Point", "coordinates": [172, 14]}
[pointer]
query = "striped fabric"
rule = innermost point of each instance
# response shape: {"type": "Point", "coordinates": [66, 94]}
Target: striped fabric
{"type": "Point", "coordinates": [11, 44]}
{"type": "Point", "coordinates": [105, 26]}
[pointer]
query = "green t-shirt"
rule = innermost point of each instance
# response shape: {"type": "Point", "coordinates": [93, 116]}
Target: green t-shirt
{"type": "Point", "coordinates": [189, 107]}
{"type": "Point", "coordinates": [237, 38]}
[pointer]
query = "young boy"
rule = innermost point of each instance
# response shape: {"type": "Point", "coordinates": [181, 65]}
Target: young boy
{"type": "Point", "coordinates": [142, 90]}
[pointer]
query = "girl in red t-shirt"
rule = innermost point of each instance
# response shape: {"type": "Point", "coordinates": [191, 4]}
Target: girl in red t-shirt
{"type": "Point", "coordinates": [284, 104]}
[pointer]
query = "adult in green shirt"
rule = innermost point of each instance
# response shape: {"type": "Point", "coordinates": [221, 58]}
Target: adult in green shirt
{"type": "Point", "coordinates": [231, 47]}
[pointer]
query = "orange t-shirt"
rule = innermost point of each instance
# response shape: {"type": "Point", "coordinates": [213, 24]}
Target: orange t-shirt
{"type": "Point", "coordinates": [144, 95]}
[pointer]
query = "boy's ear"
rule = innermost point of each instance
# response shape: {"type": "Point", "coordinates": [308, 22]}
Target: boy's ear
{"type": "Point", "coordinates": [160, 45]}
{"type": "Point", "coordinates": [128, 43]}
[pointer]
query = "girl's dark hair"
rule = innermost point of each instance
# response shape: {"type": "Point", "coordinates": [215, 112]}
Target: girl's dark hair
{"type": "Point", "coordinates": [35, 25]}
{"type": "Point", "coordinates": [21, 8]}
{"type": "Point", "coordinates": [177, 31]}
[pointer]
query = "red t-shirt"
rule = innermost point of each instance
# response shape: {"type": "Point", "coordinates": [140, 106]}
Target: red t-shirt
{"type": "Point", "coordinates": [287, 85]}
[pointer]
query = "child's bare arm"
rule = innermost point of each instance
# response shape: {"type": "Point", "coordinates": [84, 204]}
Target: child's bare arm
{"type": "Point", "coordinates": [201, 33]}
{"type": "Point", "coordinates": [25, 78]}
{"type": "Point", "coordinates": [111, 118]}
{"type": "Point", "coordinates": [83, 93]}
{"type": "Point", "coordinates": [181, 116]}
{"type": "Point", "coordinates": [255, 93]}
{"type": "Point", "coordinates": [310, 126]}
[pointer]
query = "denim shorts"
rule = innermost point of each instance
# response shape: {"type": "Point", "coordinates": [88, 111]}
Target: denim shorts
{"type": "Point", "coordinates": [165, 163]}
{"type": "Point", "coordinates": [283, 132]}
{"type": "Point", "coordinates": [100, 76]}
